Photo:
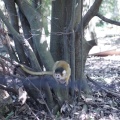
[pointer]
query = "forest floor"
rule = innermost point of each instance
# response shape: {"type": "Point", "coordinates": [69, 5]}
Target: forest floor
{"type": "Point", "coordinates": [104, 80]}
{"type": "Point", "coordinates": [105, 84]}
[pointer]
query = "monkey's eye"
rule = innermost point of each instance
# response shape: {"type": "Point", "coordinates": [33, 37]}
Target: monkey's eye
{"type": "Point", "coordinates": [58, 76]}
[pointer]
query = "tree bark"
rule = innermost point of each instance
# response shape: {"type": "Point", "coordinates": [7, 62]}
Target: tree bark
{"type": "Point", "coordinates": [6, 42]}
{"type": "Point", "coordinates": [90, 14]}
{"type": "Point", "coordinates": [26, 28]}
{"type": "Point", "coordinates": [56, 26]}
{"type": "Point", "coordinates": [28, 36]}
{"type": "Point", "coordinates": [59, 23]}
{"type": "Point", "coordinates": [27, 47]}
{"type": "Point", "coordinates": [14, 21]}
{"type": "Point", "coordinates": [35, 26]}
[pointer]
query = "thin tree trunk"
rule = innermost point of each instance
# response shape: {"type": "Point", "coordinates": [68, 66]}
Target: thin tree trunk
{"type": "Point", "coordinates": [59, 23]}
{"type": "Point", "coordinates": [14, 21]}
{"type": "Point", "coordinates": [28, 36]}
{"type": "Point", "coordinates": [27, 47]}
{"type": "Point", "coordinates": [88, 16]}
{"type": "Point", "coordinates": [26, 28]}
{"type": "Point", "coordinates": [35, 25]}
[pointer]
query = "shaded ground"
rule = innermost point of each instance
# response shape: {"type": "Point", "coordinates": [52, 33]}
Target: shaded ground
{"type": "Point", "coordinates": [106, 69]}
{"type": "Point", "coordinates": [106, 72]}
{"type": "Point", "coordinates": [102, 104]}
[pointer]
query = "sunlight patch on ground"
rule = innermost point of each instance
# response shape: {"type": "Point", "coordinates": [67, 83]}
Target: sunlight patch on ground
{"type": "Point", "coordinates": [104, 68]}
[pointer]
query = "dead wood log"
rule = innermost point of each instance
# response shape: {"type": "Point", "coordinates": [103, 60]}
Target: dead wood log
{"type": "Point", "coordinates": [106, 53]}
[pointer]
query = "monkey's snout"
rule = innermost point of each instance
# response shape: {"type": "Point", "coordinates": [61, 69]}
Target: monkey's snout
{"type": "Point", "coordinates": [58, 78]}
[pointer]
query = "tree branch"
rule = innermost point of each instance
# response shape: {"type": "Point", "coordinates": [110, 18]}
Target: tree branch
{"type": "Point", "coordinates": [34, 18]}
{"type": "Point", "coordinates": [14, 22]}
{"type": "Point", "coordinates": [108, 20]}
{"type": "Point", "coordinates": [90, 14]}
{"type": "Point", "coordinates": [92, 42]}
{"type": "Point", "coordinates": [27, 47]}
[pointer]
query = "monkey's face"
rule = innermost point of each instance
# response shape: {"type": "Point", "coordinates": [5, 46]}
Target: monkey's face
{"type": "Point", "coordinates": [60, 77]}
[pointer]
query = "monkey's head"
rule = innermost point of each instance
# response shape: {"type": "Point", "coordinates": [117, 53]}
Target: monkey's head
{"type": "Point", "coordinates": [60, 75]}
{"type": "Point", "coordinates": [62, 72]}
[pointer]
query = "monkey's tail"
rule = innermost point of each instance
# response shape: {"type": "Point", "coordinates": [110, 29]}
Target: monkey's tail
{"type": "Point", "coordinates": [35, 73]}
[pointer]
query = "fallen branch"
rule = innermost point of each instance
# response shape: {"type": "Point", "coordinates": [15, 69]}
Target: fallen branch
{"type": "Point", "coordinates": [106, 53]}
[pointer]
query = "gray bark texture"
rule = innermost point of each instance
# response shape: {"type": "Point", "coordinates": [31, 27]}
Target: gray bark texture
{"type": "Point", "coordinates": [34, 18]}
{"type": "Point", "coordinates": [14, 22]}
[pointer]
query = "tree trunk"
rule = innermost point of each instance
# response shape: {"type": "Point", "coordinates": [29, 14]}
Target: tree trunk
{"type": "Point", "coordinates": [35, 26]}
{"type": "Point", "coordinates": [14, 21]}
{"type": "Point", "coordinates": [28, 36]}
{"type": "Point", "coordinates": [59, 23]}
{"type": "Point", "coordinates": [26, 28]}
{"type": "Point", "coordinates": [27, 47]}
{"type": "Point", "coordinates": [86, 47]}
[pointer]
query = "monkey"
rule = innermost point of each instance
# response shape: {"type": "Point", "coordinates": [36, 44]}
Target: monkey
{"type": "Point", "coordinates": [61, 71]}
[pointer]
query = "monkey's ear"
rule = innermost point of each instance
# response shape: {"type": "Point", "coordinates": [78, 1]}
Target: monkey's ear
{"type": "Point", "coordinates": [64, 72]}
